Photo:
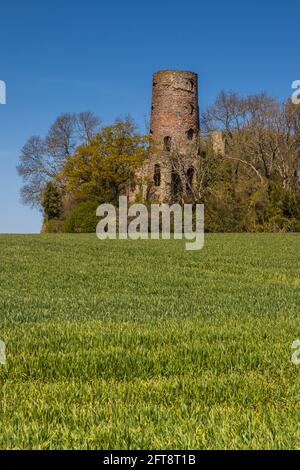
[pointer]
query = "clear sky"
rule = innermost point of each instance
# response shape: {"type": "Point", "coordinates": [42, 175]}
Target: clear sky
{"type": "Point", "coordinates": [65, 56]}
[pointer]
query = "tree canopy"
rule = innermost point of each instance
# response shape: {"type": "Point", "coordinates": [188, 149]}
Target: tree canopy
{"type": "Point", "coordinates": [102, 169]}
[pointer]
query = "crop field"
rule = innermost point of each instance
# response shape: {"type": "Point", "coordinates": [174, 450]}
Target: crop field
{"type": "Point", "coordinates": [143, 345]}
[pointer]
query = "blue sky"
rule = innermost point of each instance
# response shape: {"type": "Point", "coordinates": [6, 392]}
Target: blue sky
{"type": "Point", "coordinates": [65, 56]}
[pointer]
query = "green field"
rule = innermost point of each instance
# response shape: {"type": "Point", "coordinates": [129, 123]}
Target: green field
{"type": "Point", "coordinates": [141, 344]}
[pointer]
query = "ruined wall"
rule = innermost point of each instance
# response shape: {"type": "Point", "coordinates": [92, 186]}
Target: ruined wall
{"type": "Point", "coordinates": [218, 143]}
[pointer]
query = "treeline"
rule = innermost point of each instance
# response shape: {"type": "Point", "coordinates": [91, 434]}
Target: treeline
{"type": "Point", "coordinates": [78, 166]}
{"type": "Point", "coordinates": [254, 183]}
{"type": "Point", "coordinates": [247, 166]}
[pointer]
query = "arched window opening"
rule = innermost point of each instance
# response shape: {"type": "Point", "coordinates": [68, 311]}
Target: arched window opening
{"type": "Point", "coordinates": [189, 177]}
{"type": "Point", "coordinates": [167, 143]}
{"type": "Point", "coordinates": [190, 134]}
{"type": "Point", "coordinates": [226, 146]}
{"type": "Point", "coordinates": [157, 175]}
{"type": "Point", "coordinates": [176, 187]}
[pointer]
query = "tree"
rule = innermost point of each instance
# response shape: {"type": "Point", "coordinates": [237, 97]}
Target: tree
{"type": "Point", "coordinates": [51, 202]}
{"type": "Point", "coordinates": [260, 165]}
{"type": "Point", "coordinates": [260, 133]}
{"type": "Point", "coordinates": [41, 159]}
{"type": "Point", "coordinates": [88, 126]}
{"type": "Point", "coordinates": [36, 168]}
{"type": "Point", "coordinates": [104, 168]}
{"type": "Point", "coordinates": [82, 219]}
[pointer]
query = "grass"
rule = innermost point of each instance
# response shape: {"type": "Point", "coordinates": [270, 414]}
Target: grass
{"type": "Point", "coordinates": [142, 345]}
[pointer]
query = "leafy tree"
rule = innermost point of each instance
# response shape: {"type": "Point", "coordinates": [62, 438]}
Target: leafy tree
{"type": "Point", "coordinates": [82, 219]}
{"type": "Point", "coordinates": [51, 202]}
{"type": "Point", "coordinates": [103, 169]}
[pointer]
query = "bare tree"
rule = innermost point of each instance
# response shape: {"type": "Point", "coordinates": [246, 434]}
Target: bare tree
{"type": "Point", "coordinates": [36, 168]}
{"type": "Point", "coordinates": [41, 159]}
{"type": "Point", "coordinates": [260, 133]}
{"type": "Point", "coordinates": [288, 164]}
{"type": "Point", "coordinates": [192, 174]}
{"type": "Point", "coordinates": [88, 126]}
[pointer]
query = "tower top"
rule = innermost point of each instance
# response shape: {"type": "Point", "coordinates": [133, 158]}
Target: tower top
{"type": "Point", "coordinates": [166, 71]}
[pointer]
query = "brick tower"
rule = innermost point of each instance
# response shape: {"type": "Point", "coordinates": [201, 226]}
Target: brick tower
{"type": "Point", "coordinates": [174, 128]}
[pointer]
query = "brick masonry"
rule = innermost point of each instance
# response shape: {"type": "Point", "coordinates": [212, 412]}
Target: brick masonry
{"type": "Point", "coordinates": [174, 128]}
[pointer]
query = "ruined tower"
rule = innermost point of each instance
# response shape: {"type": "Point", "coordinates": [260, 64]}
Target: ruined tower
{"type": "Point", "coordinates": [174, 128]}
